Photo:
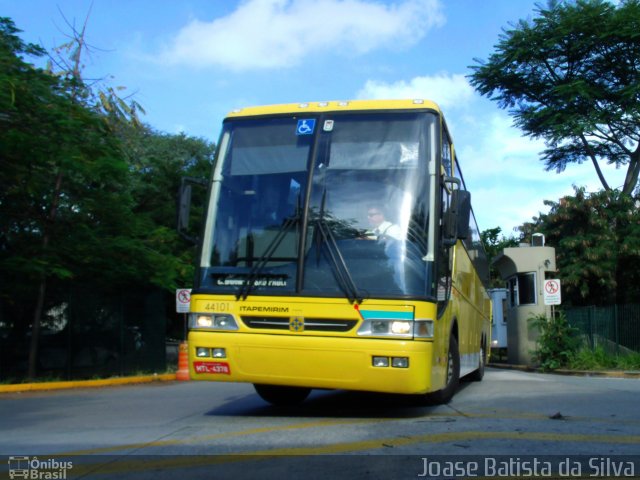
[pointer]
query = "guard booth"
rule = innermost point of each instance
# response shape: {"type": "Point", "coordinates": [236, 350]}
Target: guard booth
{"type": "Point", "coordinates": [525, 269]}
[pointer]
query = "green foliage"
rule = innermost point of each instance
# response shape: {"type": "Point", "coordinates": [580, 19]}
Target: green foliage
{"type": "Point", "coordinates": [598, 359]}
{"type": "Point", "coordinates": [629, 362]}
{"type": "Point", "coordinates": [494, 242]}
{"type": "Point", "coordinates": [570, 76]}
{"type": "Point", "coordinates": [597, 241]}
{"type": "Point", "coordinates": [587, 359]}
{"type": "Point", "coordinates": [87, 194]}
{"type": "Point", "coordinates": [557, 341]}
{"type": "Point", "coordinates": [157, 162]}
{"type": "Point", "coordinates": [62, 173]}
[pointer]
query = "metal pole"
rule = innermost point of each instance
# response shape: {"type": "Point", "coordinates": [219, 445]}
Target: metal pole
{"type": "Point", "coordinates": [616, 330]}
{"type": "Point", "coordinates": [185, 327]}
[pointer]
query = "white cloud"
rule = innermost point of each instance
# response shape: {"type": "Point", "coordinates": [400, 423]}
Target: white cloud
{"type": "Point", "coordinates": [448, 91]}
{"type": "Point", "coordinates": [503, 171]}
{"type": "Point", "coordinates": [490, 146]}
{"type": "Point", "coordinates": [262, 34]}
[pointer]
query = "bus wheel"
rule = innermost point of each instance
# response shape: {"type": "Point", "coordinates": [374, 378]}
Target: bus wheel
{"type": "Point", "coordinates": [282, 396]}
{"type": "Point", "coordinates": [453, 374]}
{"type": "Point", "coordinates": [477, 375]}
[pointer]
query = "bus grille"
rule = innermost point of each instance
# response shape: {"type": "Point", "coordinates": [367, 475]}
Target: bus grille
{"type": "Point", "coordinates": [310, 324]}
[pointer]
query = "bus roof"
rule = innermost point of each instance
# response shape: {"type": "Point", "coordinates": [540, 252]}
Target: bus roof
{"type": "Point", "coordinates": [335, 106]}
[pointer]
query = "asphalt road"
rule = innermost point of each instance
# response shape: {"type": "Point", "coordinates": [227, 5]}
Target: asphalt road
{"type": "Point", "coordinates": [513, 420]}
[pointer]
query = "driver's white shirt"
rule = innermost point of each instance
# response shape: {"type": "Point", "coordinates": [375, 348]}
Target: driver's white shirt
{"type": "Point", "coordinates": [388, 229]}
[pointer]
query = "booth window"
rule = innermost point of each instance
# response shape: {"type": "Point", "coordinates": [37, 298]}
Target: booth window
{"type": "Point", "coordinates": [522, 289]}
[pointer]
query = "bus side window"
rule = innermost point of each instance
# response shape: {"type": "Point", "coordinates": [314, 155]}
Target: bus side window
{"type": "Point", "coordinates": [446, 153]}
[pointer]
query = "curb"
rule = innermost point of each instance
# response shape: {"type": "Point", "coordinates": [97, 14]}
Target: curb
{"type": "Point", "coordinates": [107, 382]}
{"type": "Point", "coordinates": [575, 373]}
{"type": "Point", "coordinates": [170, 377]}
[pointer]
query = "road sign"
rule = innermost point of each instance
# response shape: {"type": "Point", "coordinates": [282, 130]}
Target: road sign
{"type": "Point", "coordinates": [183, 300]}
{"type": "Point", "coordinates": [552, 294]}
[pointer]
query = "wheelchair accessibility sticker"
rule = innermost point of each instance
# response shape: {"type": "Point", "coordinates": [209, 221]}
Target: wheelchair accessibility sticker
{"type": "Point", "coordinates": [306, 126]}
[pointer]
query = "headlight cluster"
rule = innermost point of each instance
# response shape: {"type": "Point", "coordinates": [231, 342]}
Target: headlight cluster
{"type": "Point", "coordinates": [397, 328]}
{"type": "Point", "coordinates": [212, 321]}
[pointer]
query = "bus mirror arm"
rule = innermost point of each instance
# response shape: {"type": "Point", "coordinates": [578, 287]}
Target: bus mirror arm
{"type": "Point", "coordinates": [184, 206]}
{"type": "Point", "coordinates": [457, 217]}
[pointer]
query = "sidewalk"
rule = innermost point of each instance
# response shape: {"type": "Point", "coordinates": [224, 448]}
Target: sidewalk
{"type": "Point", "coordinates": [106, 382]}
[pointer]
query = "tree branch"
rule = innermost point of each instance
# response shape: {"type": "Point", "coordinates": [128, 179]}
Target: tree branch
{"type": "Point", "coordinates": [589, 150]}
{"type": "Point", "coordinates": [631, 179]}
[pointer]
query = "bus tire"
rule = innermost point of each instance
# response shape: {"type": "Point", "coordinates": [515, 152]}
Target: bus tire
{"type": "Point", "coordinates": [477, 375]}
{"type": "Point", "coordinates": [453, 374]}
{"type": "Point", "coordinates": [282, 396]}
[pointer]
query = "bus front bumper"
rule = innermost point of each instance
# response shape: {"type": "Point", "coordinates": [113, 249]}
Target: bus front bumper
{"type": "Point", "coordinates": [376, 365]}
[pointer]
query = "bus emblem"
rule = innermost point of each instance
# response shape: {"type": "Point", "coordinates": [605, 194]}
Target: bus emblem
{"type": "Point", "coordinates": [296, 324]}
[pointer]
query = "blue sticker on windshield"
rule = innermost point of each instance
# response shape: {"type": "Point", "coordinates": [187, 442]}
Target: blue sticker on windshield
{"type": "Point", "coordinates": [306, 127]}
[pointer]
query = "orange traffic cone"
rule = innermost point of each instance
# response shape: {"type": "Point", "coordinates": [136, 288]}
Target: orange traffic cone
{"type": "Point", "coordinates": [183, 362]}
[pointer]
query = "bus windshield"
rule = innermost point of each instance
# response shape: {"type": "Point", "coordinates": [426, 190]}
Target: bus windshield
{"type": "Point", "coordinates": [325, 205]}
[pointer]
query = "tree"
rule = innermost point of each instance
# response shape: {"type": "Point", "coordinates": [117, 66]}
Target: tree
{"type": "Point", "coordinates": [63, 194]}
{"type": "Point", "coordinates": [157, 162]}
{"type": "Point", "coordinates": [100, 96]}
{"type": "Point", "coordinates": [87, 193]}
{"type": "Point", "coordinates": [571, 76]}
{"type": "Point", "coordinates": [71, 208]}
{"type": "Point", "coordinates": [597, 242]}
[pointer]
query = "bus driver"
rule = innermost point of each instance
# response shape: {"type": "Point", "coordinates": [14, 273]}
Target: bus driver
{"type": "Point", "coordinates": [379, 227]}
{"type": "Point", "coordinates": [391, 237]}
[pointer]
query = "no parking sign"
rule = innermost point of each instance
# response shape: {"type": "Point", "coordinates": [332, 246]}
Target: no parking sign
{"type": "Point", "coordinates": [183, 300]}
{"type": "Point", "coordinates": [552, 294]}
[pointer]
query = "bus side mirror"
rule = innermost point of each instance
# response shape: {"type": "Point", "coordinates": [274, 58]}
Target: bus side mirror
{"type": "Point", "coordinates": [184, 207]}
{"type": "Point", "coordinates": [462, 200]}
{"type": "Point", "coordinates": [457, 217]}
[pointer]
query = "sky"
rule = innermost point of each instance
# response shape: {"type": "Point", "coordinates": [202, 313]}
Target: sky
{"type": "Point", "coordinates": [190, 62]}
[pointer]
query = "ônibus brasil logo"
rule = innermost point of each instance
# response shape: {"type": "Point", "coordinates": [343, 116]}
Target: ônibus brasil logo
{"type": "Point", "coordinates": [33, 468]}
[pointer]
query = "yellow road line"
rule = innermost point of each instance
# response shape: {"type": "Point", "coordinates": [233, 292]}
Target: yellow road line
{"type": "Point", "coordinates": [202, 439]}
{"type": "Point", "coordinates": [217, 436]}
{"type": "Point", "coordinates": [451, 437]}
{"type": "Point", "coordinates": [347, 447]}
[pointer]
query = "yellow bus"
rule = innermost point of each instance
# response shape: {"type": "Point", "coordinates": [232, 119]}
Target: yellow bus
{"type": "Point", "coordinates": [298, 287]}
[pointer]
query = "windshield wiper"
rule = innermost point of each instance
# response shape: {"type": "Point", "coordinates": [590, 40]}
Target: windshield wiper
{"type": "Point", "coordinates": [248, 285]}
{"type": "Point", "coordinates": [342, 272]}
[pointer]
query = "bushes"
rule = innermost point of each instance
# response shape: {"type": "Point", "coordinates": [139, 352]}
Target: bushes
{"type": "Point", "coordinates": [599, 359]}
{"type": "Point", "coordinates": [557, 343]}
{"type": "Point", "coordinates": [559, 346]}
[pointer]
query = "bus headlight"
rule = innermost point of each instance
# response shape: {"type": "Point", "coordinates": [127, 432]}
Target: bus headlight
{"type": "Point", "coordinates": [401, 327]}
{"type": "Point", "coordinates": [386, 328]}
{"type": "Point", "coordinates": [214, 322]}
